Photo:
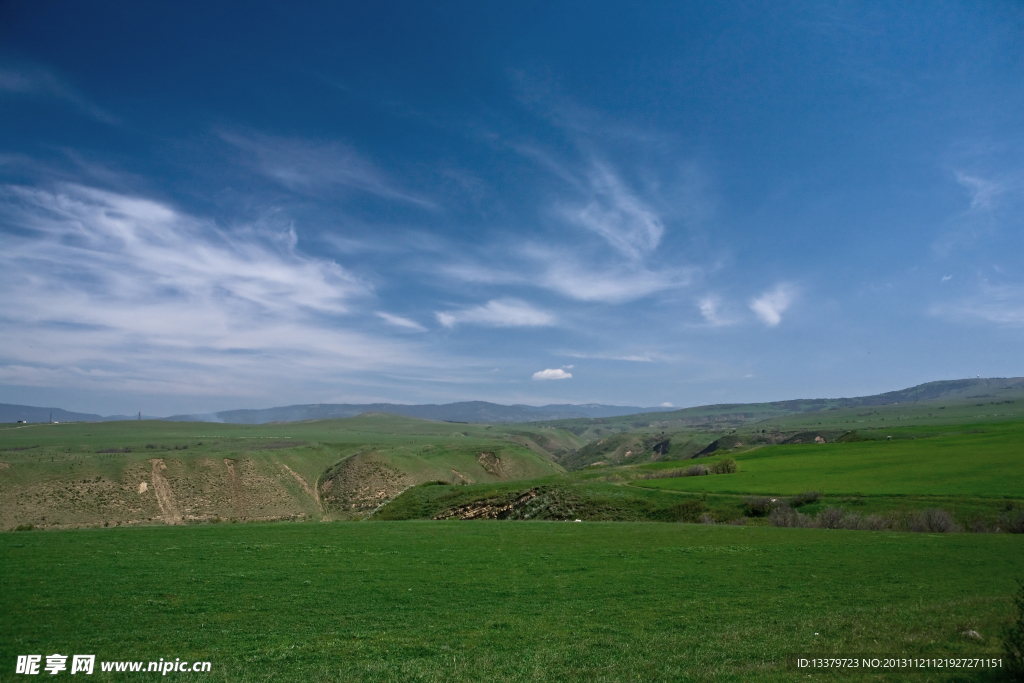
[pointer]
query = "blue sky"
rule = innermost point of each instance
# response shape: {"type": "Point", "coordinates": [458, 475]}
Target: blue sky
{"type": "Point", "coordinates": [206, 207]}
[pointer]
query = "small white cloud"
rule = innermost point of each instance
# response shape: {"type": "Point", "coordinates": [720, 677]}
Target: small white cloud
{"type": "Point", "coordinates": [946, 277]}
{"type": "Point", "coordinates": [666, 404]}
{"type": "Point", "coordinates": [770, 306]}
{"type": "Point", "coordinates": [399, 321]}
{"type": "Point", "coordinates": [498, 313]}
{"type": "Point", "coordinates": [568, 367]}
{"type": "Point", "coordinates": [552, 374]}
{"type": "Point", "coordinates": [710, 308]}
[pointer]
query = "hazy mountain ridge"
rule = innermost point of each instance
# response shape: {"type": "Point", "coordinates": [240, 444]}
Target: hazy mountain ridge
{"type": "Point", "coordinates": [463, 411]}
{"type": "Point", "coordinates": [485, 412]}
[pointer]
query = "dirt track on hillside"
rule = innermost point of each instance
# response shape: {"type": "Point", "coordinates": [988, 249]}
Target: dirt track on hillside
{"type": "Point", "coordinates": [305, 487]}
{"type": "Point", "coordinates": [164, 496]}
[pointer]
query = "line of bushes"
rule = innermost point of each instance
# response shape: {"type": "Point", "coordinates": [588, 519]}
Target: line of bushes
{"type": "Point", "coordinates": [724, 466]}
{"type": "Point", "coordinates": [782, 512]}
{"type": "Point", "coordinates": [932, 520]}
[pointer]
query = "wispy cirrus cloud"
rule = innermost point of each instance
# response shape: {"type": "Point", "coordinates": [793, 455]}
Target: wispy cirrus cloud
{"type": "Point", "coordinates": [498, 313]}
{"type": "Point", "coordinates": [37, 81]}
{"type": "Point", "coordinates": [1001, 305]}
{"type": "Point", "coordinates": [984, 192]}
{"type": "Point", "coordinates": [123, 290]}
{"type": "Point", "coordinates": [314, 167]}
{"type": "Point", "coordinates": [645, 357]}
{"type": "Point", "coordinates": [399, 321]}
{"type": "Point", "coordinates": [995, 202]}
{"type": "Point", "coordinates": [616, 214]}
{"type": "Point", "coordinates": [770, 306]}
{"type": "Point", "coordinates": [561, 270]}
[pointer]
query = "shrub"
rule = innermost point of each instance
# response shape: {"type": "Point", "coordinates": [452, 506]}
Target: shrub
{"type": "Point", "coordinates": [708, 518]}
{"type": "Point", "coordinates": [739, 521]}
{"type": "Point", "coordinates": [725, 466]}
{"type": "Point", "coordinates": [758, 506]}
{"type": "Point", "coordinates": [664, 474]}
{"type": "Point", "coordinates": [850, 520]}
{"type": "Point", "coordinates": [1013, 522]}
{"type": "Point", "coordinates": [695, 471]}
{"type": "Point", "coordinates": [1013, 637]}
{"type": "Point", "coordinates": [830, 518]}
{"type": "Point", "coordinates": [805, 498]}
{"type": "Point", "coordinates": [785, 516]}
{"type": "Point", "coordinates": [933, 520]}
{"type": "Point", "coordinates": [873, 523]}
{"type": "Point", "coordinates": [978, 526]}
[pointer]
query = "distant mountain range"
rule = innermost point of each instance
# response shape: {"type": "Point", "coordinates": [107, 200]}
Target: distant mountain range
{"type": "Point", "coordinates": [482, 411]}
{"type": "Point", "coordinates": [15, 413]}
{"type": "Point", "coordinates": [464, 411]}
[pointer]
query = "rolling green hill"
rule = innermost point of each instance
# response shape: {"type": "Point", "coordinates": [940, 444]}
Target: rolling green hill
{"type": "Point", "coordinates": [961, 396]}
{"type": "Point", "coordinates": [142, 472]}
{"type": "Point", "coordinates": [979, 460]}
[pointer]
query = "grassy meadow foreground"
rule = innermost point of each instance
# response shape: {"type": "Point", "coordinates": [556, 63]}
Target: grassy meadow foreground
{"type": "Point", "coordinates": [496, 600]}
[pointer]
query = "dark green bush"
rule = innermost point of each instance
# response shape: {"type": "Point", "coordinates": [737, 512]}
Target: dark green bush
{"type": "Point", "coordinates": [725, 466]}
{"type": "Point", "coordinates": [758, 506]}
{"type": "Point", "coordinates": [1012, 522]}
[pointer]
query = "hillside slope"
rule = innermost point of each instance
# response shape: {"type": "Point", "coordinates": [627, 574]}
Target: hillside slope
{"type": "Point", "coordinates": [153, 472]}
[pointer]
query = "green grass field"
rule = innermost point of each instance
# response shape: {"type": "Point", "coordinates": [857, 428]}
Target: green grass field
{"type": "Point", "coordinates": [985, 460]}
{"type": "Point", "coordinates": [508, 601]}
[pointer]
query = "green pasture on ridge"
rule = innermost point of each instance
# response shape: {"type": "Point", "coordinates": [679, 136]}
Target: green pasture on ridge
{"type": "Point", "coordinates": [983, 460]}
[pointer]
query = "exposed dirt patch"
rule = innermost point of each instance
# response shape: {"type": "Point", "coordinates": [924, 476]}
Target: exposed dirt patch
{"type": "Point", "coordinates": [164, 495]}
{"type": "Point", "coordinates": [154, 491]}
{"type": "Point", "coordinates": [488, 509]}
{"type": "Point", "coordinates": [459, 477]}
{"type": "Point", "coordinates": [359, 484]}
{"type": "Point", "coordinates": [237, 500]}
{"type": "Point", "coordinates": [79, 500]}
{"type": "Point", "coordinates": [491, 464]}
{"type": "Point", "coordinates": [4, 466]}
